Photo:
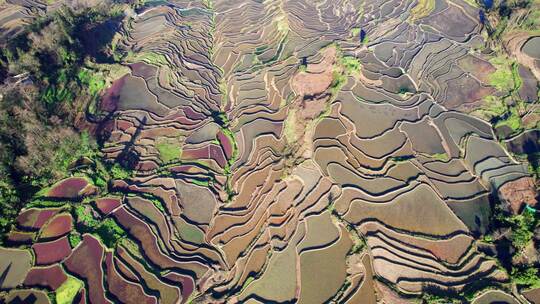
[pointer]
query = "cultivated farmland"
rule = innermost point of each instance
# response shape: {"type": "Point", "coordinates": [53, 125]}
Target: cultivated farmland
{"type": "Point", "coordinates": [291, 151]}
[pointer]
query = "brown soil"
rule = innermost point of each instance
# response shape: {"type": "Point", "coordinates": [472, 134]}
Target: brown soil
{"type": "Point", "coordinates": [318, 77]}
{"type": "Point", "coordinates": [311, 109]}
{"type": "Point", "coordinates": [518, 192]}
{"type": "Point", "coordinates": [312, 98]}
{"type": "Point", "coordinates": [388, 296]}
{"type": "Point", "coordinates": [481, 69]}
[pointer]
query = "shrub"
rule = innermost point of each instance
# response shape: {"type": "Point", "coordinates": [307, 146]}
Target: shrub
{"type": "Point", "coordinates": [107, 230]}
{"type": "Point", "coordinates": [351, 64]}
{"type": "Point", "coordinates": [119, 172]}
{"type": "Point", "coordinates": [522, 226]}
{"type": "Point", "coordinates": [527, 277]}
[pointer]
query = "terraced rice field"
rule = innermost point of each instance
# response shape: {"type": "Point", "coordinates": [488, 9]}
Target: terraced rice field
{"type": "Point", "coordinates": [285, 151]}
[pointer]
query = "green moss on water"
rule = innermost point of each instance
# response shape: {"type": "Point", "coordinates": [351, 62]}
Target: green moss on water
{"type": "Point", "coordinates": [261, 49]}
{"type": "Point", "coordinates": [191, 234]}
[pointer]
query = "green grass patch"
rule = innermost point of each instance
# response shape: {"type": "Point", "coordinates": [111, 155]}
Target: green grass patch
{"type": "Point", "coordinates": [155, 200]}
{"type": "Point", "coordinates": [151, 58]}
{"type": "Point", "coordinates": [158, 205]}
{"type": "Point", "coordinates": [518, 82]}
{"type": "Point", "coordinates": [440, 156]}
{"type": "Point", "coordinates": [493, 107]}
{"type": "Point", "coordinates": [203, 183]}
{"type": "Point", "coordinates": [365, 40]}
{"type": "Point", "coordinates": [513, 120]}
{"type": "Point", "coordinates": [65, 294]}
{"type": "Point", "coordinates": [422, 9]}
{"type": "Point", "coordinates": [248, 281]}
{"type": "Point", "coordinates": [168, 151]}
{"type": "Point", "coordinates": [346, 65]}
{"type": "Point", "coordinates": [224, 90]}
{"type": "Point", "coordinates": [43, 203]}
{"type": "Point", "coordinates": [503, 79]}
{"type": "Point", "coordinates": [430, 298]}
{"type": "Point", "coordinates": [289, 128]}
{"type": "Point", "coordinates": [282, 24]}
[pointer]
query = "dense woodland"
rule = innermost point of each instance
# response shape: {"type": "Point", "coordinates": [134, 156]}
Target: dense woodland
{"type": "Point", "coordinates": [49, 80]}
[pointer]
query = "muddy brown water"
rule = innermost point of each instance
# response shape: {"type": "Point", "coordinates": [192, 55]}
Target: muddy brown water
{"type": "Point", "coordinates": [532, 47]}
